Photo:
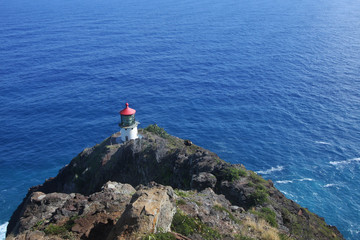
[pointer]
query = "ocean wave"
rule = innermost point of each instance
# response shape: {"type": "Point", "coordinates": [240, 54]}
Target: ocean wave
{"type": "Point", "coordinates": [354, 231]}
{"type": "Point", "coordinates": [3, 230]}
{"type": "Point", "coordinates": [291, 181]}
{"type": "Point", "coordinates": [272, 169]}
{"type": "Point", "coordinates": [305, 179]}
{"type": "Point", "coordinates": [344, 162]}
{"type": "Point", "coordinates": [288, 194]}
{"type": "Point", "coordinates": [335, 185]}
{"type": "Point", "coordinates": [284, 181]}
{"type": "Point", "coordinates": [323, 143]}
{"type": "Point", "coordinates": [330, 185]}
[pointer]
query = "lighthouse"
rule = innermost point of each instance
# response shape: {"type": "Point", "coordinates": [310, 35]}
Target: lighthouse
{"type": "Point", "coordinates": [128, 124]}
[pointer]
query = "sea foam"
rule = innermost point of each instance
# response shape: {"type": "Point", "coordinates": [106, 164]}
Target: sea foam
{"type": "Point", "coordinates": [284, 181]}
{"type": "Point", "coordinates": [344, 162]}
{"type": "Point", "coordinates": [3, 231]}
{"type": "Point", "coordinates": [323, 143]}
{"type": "Point", "coordinates": [288, 194]}
{"type": "Point", "coordinates": [272, 169]}
{"type": "Point", "coordinates": [330, 185]}
{"type": "Point", "coordinates": [305, 179]}
{"type": "Point", "coordinates": [334, 185]}
{"type": "Point", "coordinates": [291, 181]}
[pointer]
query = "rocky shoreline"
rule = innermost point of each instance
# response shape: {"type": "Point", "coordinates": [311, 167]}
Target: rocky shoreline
{"type": "Point", "coordinates": [160, 187]}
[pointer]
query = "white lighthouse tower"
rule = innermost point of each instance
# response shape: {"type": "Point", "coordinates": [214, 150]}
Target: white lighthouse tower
{"type": "Point", "coordinates": [128, 124]}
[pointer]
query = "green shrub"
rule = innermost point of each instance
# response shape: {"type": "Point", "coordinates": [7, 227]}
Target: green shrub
{"type": "Point", "coordinates": [157, 130]}
{"type": "Point", "coordinates": [259, 186]}
{"type": "Point", "coordinates": [182, 193]}
{"type": "Point", "coordinates": [180, 202]}
{"type": "Point", "coordinates": [231, 174]}
{"type": "Point", "coordinates": [269, 216]}
{"type": "Point", "coordinates": [250, 184]}
{"type": "Point", "coordinates": [256, 178]}
{"type": "Point", "coordinates": [258, 197]}
{"type": "Point", "coordinates": [54, 230]}
{"type": "Point", "coordinates": [187, 226]}
{"type": "Point", "coordinates": [38, 225]}
{"type": "Point", "coordinates": [59, 230]}
{"type": "Point", "coordinates": [159, 236]}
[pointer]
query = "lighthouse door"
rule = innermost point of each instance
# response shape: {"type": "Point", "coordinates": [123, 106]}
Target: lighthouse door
{"type": "Point", "coordinates": [127, 138]}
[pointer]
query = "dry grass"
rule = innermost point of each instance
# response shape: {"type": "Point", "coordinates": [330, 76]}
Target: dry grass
{"type": "Point", "coordinates": [270, 234]}
{"type": "Point", "coordinates": [260, 229]}
{"type": "Point", "coordinates": [250, 224]}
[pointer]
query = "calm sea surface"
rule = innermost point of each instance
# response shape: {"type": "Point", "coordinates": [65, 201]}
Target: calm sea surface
{"type": "Point", "coordinates": [274, 85]}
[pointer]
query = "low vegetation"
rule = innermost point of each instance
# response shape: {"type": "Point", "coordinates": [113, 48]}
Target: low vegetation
{"type": "Point", "coordinates": [159, 236]}
{"type": "Point", "coordinates": [38, 225]}
{"type": "Point", "coordinates": [242, 237]}
{"type": "Point", "coordinates": [260, 230]}
{"type": "Point", "coordinates": [231, 216]}
{"type": "Point", "coordinates": [184, 194]}
{"type": "Point", "coordinates": [53, 229]}
{"type": "Point", "coordinates": [256, 178]}
{"type": "Point", "coordinates": [232, 173]}
{"type": "Point", "coordinates": [180, 202]}
{"type": "Point", "coordinates": [154, 128]}
{"type": "Point", "coordinates": [268, 215]}
{"type": "Point", "coordinates": [259, 197]}
{"type": "Point", "coordinates": [187, 226]}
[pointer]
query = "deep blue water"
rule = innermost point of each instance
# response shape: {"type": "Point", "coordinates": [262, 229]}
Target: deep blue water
{"type": "Point", "coordinates": [274, 85]}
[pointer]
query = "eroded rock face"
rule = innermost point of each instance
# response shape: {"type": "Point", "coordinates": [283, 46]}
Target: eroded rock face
{"type": "Point", "coordinates": [151, 210]}
{"type": "Point", "coordinates": [62, 213]}
{"type": "Point", "coordinates": [118, 211]}
{"type": "Point", "coordinates": [203, 180]}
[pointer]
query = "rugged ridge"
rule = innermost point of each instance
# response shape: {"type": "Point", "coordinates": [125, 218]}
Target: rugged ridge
{"type": "Point", "coordinates": [159, 187]}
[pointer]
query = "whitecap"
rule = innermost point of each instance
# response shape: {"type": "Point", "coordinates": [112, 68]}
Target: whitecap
{"type": "Point", "coordinates": [3, 231]}
{"type": "Point", "coordinates": [272, 169]}
{"type": "Point", "coordinates": [284, 181]}
{"type": "Point", "coordinates": [354, 231]}
{"type": "Point", "coordinates": [331, 185]}
{"type": "Point", "coordinates": [323, 143]}
{"type": "Point", "coordinates": [344, 162]}
{"type": "Point", "coordinates": [305, 179]}
{"type": "Point", "coordinates": [291, 181]}
{"type": "Point", "coordinates": [287, 194]}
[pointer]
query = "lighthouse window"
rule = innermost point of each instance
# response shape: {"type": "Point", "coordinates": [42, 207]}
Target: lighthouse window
{"type": "Point", "coordinates": [127, 120]}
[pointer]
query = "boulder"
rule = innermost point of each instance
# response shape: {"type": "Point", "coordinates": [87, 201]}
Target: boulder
{"type": "Point", "coordinates": [203, 180]}
{"type": "Point", "coordinates": [151, 210]}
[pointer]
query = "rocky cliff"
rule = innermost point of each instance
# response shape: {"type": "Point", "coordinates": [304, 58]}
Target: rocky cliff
{"type": "Point", "coordinates": [160, 187]}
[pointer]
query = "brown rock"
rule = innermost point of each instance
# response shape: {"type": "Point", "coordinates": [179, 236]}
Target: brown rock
{"type": "Point", "coordinates": [300, 212]}
{"type": "Point", "coordinates": [187, 142]}
{"type": "Point", "coordinates": [151, 209]}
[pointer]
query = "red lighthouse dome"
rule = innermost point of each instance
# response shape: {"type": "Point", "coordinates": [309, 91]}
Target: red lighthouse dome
{"type": "Point", "coordinates": [127, 111]}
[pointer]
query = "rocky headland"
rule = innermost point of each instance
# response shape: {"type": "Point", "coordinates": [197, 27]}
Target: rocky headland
{"type": "Point", "coordinates": [160, 187]}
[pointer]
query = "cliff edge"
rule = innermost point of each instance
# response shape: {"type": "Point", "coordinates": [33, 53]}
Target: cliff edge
{"type": "Point", "coordinates": [160, 187]}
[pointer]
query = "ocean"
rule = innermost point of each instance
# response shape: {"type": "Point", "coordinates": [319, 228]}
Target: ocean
{"type": "Point", "coordinates": [274, 85]}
